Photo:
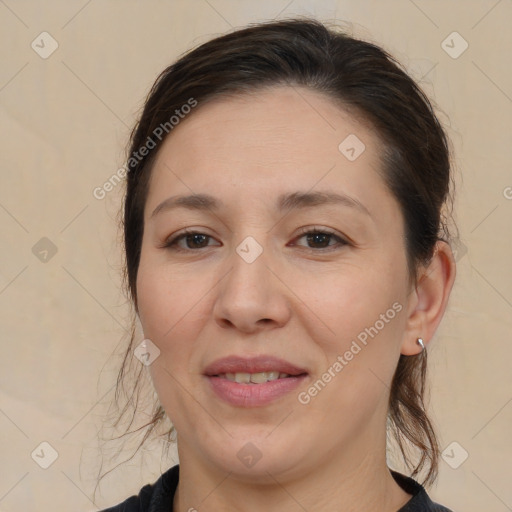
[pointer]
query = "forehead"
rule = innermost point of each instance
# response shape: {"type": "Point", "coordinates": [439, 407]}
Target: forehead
{"type": "Point", "coordinates": [266, 140]}
{"type": "Point", "coordinates": [283, 118]}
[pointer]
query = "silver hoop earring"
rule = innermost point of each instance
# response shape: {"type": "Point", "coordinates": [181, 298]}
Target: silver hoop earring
{"type": "Point", "coordinates": [420, 342]}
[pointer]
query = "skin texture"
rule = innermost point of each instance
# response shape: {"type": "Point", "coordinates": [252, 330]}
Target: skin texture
{"type": "Point", "coordinates": [297, 301]}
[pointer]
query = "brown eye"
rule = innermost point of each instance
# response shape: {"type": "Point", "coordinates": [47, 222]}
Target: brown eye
{"type": "Point", "coordinates": [193, 240]}
{"type": "Point", "coordinates": [321, 239]}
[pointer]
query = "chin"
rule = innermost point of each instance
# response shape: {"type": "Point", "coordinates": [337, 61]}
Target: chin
{"type": "Point", "coordinates": [249, 457]}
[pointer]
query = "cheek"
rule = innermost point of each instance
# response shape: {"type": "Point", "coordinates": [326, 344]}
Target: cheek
{"type": "Point", "coordinates": [166, 300]}
{"type": "Point", "coordinates": [170, 314]}
{"type": "Point", "coordinates": [351, 301]}
{"type": "Point", "coordinates": [357, 329]}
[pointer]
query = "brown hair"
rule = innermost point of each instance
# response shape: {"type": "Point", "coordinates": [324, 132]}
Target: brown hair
{"type": "Point", "coordinates": [361, 77]}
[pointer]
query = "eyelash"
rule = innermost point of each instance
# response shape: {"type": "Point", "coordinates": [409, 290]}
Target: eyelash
{"type": "Point", "coordinates": [172, 242]}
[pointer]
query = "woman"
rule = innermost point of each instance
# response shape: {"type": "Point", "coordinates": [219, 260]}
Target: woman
{"type": "Point", "coordinates": [287, 256]}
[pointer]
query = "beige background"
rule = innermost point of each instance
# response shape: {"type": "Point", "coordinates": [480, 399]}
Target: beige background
{"type": "Point", "coordinates": [65, 120]}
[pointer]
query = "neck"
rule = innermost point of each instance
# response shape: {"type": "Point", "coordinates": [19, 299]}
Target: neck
{"type": "Point", "coordinates": [345, 482]}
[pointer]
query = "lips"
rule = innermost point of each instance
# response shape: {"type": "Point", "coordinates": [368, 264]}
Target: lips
{"type": "Point", "coordinates": [259, 364]}
{"type": "Point", "coordinates": [253, 382]}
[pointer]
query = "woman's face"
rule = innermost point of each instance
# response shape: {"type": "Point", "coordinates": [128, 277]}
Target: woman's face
{"type": "Point", "coordinates": [330, 307]}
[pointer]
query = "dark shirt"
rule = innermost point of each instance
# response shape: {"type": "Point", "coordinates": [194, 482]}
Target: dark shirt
{"type": "Point", "coordinates": [158, 497]}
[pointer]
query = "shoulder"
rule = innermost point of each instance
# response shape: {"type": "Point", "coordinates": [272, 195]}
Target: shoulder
{"type": "Point", "coordinates": [420, 501]}
{"type": "Point", "coordinates": [155, 497]}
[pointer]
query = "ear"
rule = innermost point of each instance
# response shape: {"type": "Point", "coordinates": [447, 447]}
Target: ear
{"type": "Point", "coordinates": [427, 301]}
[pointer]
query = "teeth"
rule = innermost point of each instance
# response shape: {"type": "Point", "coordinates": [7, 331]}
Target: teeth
{"type": "Point", "coordinates": [260, 378]}
{"type": "Point", "coordinates": [243, 378]}
{"type": "Point", "coordinates": [254, 378]}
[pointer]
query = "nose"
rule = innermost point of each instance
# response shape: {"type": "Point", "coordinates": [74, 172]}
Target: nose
{"type": "Point", "coordinates": [251, 297]}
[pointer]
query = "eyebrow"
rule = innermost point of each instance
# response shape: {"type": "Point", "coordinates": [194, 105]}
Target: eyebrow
{"type": "Point", "coordinates": [289, 201]}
